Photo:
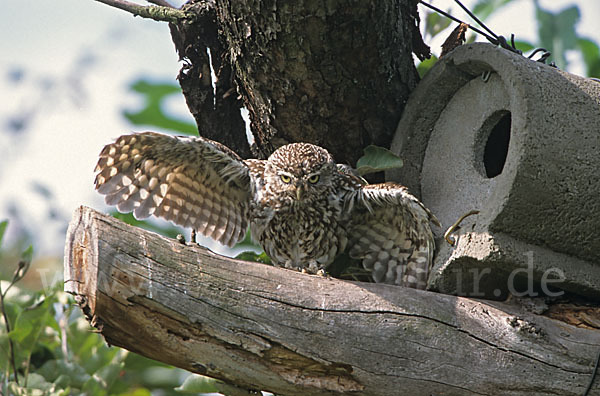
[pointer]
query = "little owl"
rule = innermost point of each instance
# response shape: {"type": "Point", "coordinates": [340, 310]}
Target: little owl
{"type": "Point", "coordinates": [302, 207]}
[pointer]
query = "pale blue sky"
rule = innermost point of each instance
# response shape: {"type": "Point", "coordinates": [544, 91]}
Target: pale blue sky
{"type": "Point", "coordinates": [65, 66]}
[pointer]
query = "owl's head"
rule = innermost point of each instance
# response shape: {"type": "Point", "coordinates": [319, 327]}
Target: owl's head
{"type": "Point", "coordinates": [300, 171]}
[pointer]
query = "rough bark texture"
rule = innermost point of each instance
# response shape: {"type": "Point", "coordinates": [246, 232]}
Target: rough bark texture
{"type": "Point", "coordinates": [335, 73]}
{"type": "Point", "coordinates": [215, 109]}
{"type": "Point", "coordinates": [267, 328]}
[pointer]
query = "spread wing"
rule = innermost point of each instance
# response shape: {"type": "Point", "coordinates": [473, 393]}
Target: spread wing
{"type": "Point", "coordinates": [191, 181]}
{"type": "Point", "coordinates": [390, 233]}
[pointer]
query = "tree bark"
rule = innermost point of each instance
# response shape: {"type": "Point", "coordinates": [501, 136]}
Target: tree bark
{"type": "Point", "coordinates": [334, 73]}
{"type": "Point", "coordinates": [267, 328]}
{"type": "Point", "coordinates": [216, 110]}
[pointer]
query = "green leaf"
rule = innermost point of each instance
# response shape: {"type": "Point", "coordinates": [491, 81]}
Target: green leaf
{"type": "Point", "coordinates": [37, 381]}
{"type": "Point", "coordinates": [435, 23]}
{"type": "Point", "coordinates": [101, 356]}
{"type": "Point", "coordinates": [23, 265]}
{"type": "Point", "coordinates": [43, 351]}
{"type": "Point", "coordinates": [135, 362]}
{"type": "Point", "coordinates": [153, 113]}
{"type": "Point", "coordinates": [13, 309]}
{"type": "Point", "coordinates": [28, 328]}
{"type": "Point", "coordinates": [524, 46]}
{"type": "Point", "coordinates": [484, 8]}
{"type": "Point", "coordinates": [253, 256]}
{"type": "Point", "coordinates": [5, 363]}
{"type": "Point", "coordinates": [377, 159]}
{"type": "Point", "coordinates": [62, 381]}
{"type": "Point", "coordinates": [94, 387]}
{"type": "Point", "coordinates": [168, 231]}
{"type": "Point", "coordinates": [30, 322]}
{"type": "Point", "coordinates": [137, 392]}
{"type": "Point", "coordinates": [14, 389]}
{"type": "Point", "coordinates": [109, 374]}
{"type": "Point", "coordinates": [197, 384]}
{"type": "Point", "coordinates": [591, 56]}
{"type": "Point", "coordinates": [557, 31]}
{"type": "Point", "coordinates": [146, 373]}
{"type": "Point", "coordinates": [85, 345]}
{"type": "Point", "coordinates": [3, 225]}
{"type": "Point", "coordinates": [247, 243]}
{"type": "Point", "coordinates": [52, 370]}
{"type": "Point", "coordinates": [425, 65]}
{"type": "Point", "coordinates": [156, 376]}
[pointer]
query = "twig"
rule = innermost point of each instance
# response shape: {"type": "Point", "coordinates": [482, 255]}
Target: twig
{"type": "Point", "coordinates": [156, 12]}
{"type": "Point", "coordinates": [20, 271]}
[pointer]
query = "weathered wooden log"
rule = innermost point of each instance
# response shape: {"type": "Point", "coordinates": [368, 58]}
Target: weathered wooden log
{"type": "Point", "coordinates": [267, 328]}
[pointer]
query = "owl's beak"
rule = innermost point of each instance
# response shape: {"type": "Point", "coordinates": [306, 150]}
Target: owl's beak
{"type": "Point", "coordinates": [300, 190]}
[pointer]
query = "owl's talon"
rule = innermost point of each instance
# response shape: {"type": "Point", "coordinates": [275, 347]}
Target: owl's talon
{"type": "Point", "coordinates": [321, 272]}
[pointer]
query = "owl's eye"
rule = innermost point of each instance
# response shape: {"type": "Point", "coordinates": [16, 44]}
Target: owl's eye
{"type": "Point", "coordinates": [313, 179]}
{"type": "Point", "coordinates": [286, 179]}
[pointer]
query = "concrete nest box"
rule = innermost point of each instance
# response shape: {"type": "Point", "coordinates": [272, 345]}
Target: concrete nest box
{"type": "Point", "coordinates": [490, 130]}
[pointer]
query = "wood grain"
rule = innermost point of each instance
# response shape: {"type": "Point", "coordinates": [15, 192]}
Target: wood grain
{"type": "Point", "coordinates": [267, 328]}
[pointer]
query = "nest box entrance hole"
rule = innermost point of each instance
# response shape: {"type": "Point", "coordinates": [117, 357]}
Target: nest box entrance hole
{"type": "Point", "coordinates": [495, 138]}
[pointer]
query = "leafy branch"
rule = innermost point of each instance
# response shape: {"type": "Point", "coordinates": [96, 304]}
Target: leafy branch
{"type": "Point", "coordinates": [19, 273]}
{"type": "Point", "coordinates": [48, 345]}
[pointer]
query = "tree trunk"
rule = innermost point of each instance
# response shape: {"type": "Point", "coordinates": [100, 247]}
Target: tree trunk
{"type": "Point", "coordinates": [334, 73]}
{"type": "Point", "coordinates": [268, 328]}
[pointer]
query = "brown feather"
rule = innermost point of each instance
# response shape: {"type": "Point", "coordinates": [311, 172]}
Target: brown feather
{"type": "Point", "coordinates": [192, 182]}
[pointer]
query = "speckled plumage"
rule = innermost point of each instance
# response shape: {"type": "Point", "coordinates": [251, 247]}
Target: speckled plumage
{"type": "Point", "coordinates": [302, 208]}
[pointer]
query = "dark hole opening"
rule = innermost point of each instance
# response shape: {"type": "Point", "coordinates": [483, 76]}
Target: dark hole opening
{"type": "Point", "coordinates": [496, 147]}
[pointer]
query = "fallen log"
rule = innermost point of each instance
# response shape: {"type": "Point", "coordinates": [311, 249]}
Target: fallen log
{"type": "Point", "coordinates": [266, 328]}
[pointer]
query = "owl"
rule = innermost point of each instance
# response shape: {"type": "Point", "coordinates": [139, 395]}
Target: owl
{"type": "Point", "coordinates": [301, 207]}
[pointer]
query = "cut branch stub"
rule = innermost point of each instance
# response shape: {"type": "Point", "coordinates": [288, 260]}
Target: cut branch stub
{"type": "Point", "coordinates": [267, 328]}
{"type": "Point", "coordinates": [156, 12]}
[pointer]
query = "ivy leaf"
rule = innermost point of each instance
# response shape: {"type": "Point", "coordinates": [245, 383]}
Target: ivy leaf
{"type": "Point", "coordinates": [377, 159]}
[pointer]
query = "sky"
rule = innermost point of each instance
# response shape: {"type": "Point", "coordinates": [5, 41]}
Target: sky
{"type": "Point", "coordinates": [65, 69]}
